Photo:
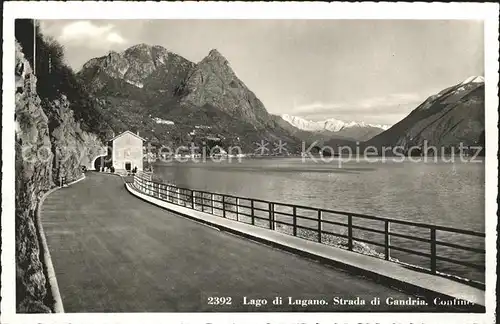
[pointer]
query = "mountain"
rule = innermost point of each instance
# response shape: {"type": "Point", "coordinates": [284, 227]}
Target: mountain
{"type": "Point", "coordinates": [150, 68]}
{"type": "Point", "coordinates": [310, 137]}
{"type": "Point", "coordinates": [144, 86]}
{"type": "Point", "coordinates": [453, 116]}
{"type": "Point", "coordinates": [213, 82]}
{"type": "Point", "coordinates": [336, 128]}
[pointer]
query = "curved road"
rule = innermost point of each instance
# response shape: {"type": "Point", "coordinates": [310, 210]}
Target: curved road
{"type": "Point", "coordinates": [113, 252]}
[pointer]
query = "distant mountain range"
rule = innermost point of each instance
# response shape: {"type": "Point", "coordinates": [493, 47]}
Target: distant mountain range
{"type": "Point", "coordinates": [337, 128]}
{"type": "Point", "coordinates": [173, 101]}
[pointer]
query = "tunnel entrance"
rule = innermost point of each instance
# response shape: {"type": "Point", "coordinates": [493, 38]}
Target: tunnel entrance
{"type": "Point", "coordinates": [99, 163]}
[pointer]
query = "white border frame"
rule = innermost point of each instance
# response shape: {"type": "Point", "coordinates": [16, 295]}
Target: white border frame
{"type": "Point", "coordinates": [239, 10]}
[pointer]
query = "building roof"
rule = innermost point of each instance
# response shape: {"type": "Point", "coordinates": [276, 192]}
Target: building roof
{"type": "Point", "coordinates": [125, 132]}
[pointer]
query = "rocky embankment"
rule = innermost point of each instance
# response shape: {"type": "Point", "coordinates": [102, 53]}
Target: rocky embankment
{"type": "Point", "coordinates": [45, 133]}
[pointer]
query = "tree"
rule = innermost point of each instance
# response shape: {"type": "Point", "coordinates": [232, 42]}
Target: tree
{"type": "Point", "coordinates": [55, 77]}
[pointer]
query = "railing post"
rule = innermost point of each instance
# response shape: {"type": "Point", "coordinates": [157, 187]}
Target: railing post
{"type": "Point", "coordinates": [237, 209]}
{"type": "Point", "coordinates": [224, 206]}
{"type": "Point", "coordinates": [178, 196]}
{"type": "Point", "coordinates": [194, 198]}
{"type": "Point", "coordinates": [320, 225]}
{"type": "Point", "coordinates": [294, 221]}
{"type": "Point", "coordinates": [202, 201]}
{"type": "Point", "coordinates": [271, 216]}
{"type": "Point", "coordinates": [252, 212]}
{"type": "Point", "coordinates": [387, 242]}
{"type": "Point", "coordinates": [212, 202]}
{"type": "Point", "coordinates": [349, 232]}
{"type": "Point", "coordinates": [433, 250]}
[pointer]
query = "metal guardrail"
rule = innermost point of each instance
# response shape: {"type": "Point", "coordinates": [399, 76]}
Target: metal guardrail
{"type": "Point", "coordinates": [314, 220]}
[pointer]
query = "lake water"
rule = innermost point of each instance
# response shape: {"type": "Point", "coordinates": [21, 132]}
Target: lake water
{"type": "Point", "coordinates": [449, 194]}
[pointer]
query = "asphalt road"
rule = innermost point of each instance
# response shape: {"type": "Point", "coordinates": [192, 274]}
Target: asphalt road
{"type": "Point", "coordinates": [113, 252]}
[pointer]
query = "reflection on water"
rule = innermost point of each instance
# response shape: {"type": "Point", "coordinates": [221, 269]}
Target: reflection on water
{"type": "Point", "coordinates": [449, 194]}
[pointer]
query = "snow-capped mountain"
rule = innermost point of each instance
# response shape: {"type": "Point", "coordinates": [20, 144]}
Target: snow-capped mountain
{"type": "Point", "coordinates": [357, 131]}
{"type": "Point", "coordinates": [473, 79]}
{"type": "Point", "coordinates": [332, 124]}
{"type": "Point", "coordinates": [452, 117]}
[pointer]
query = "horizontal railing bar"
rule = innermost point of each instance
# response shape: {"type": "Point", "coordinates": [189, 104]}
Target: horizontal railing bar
{"type": "Point", "coordinates": [397, 221]}
{"type": "Point", "coordinates": [334, 234]}
{"type": "Point", "coordinates": [293, 205]}
{"type": "Point", "coordinates": [284, 213]}
{"type": "Point", "coordinates": [326, 221]}
{"type": "Point", "coordinates": [464, 263]}
{"type": "Point", "coordinates": [427, 255]}
{"type": "Point", "coordinates": [261, 218]}
{"type": "Point", "coordinates": [367, 241]}
{"type": "Point", "coordinates": [298, 216]}
{"type": "Point", "coordinates": [283, 223]}
{"type": "Point", "coordinates": [314, 230]}
{"type": "Point", "coordinates": [261, 209]}
{"type": "Point", "coordinates": [185, 197]}
{"type": "Point", "coordinates": [367, 229]}
{"type": "Point", "coordinates": [461, 247]}
{"type": "Point", "coordinates": [410, 237]}
{"type": "Point", "coordinates": [392, 220]}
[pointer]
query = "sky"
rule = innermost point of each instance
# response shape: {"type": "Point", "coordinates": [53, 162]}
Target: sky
{"type": "Point", "coordinates": [373, 71]}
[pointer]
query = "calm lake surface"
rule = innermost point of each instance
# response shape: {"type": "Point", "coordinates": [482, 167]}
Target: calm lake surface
{"type": "Point", "coordinates": [449, 194]}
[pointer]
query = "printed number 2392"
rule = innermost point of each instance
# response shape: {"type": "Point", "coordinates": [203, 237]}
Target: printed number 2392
{"type": "Point", "coordinates": [220, 300]}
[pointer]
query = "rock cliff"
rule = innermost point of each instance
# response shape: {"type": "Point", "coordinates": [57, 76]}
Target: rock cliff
{"type": "Point", "coordinates": [33, 177]}
{"type": "Point", "coordinates": [71, 147]}
{"type": "Point", "coordinates": [49, 143]}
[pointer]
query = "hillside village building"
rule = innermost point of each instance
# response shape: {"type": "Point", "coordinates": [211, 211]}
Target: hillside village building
{"type": "Point", "coordinates": [125, 152]}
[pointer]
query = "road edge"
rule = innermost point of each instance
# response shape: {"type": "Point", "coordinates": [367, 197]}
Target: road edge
{"type": "Point", "coordinates": [47, 259]}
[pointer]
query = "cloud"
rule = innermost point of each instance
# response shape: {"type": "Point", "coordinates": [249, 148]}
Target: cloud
{"type": "Point", "coordinates": [316, 106]}
{"type": "Point", "coordinates": [389, 108]}
{"type": "Point", "coordinates": [89, 34]}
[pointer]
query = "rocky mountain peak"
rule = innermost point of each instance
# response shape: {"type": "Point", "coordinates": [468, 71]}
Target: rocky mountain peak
{"type": "Point", "coordinates": [142, 52]}
{"type": "Point", "coordinates": [213, 82]}
{"type": "Point", "coordinates": [141, 46]}
{"type": "Point", "coordinates": [113, 54]}
{"type": "Point", "coordinates": [141, 65]}
{"type": "Point", "coordinates": [215, 55]}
